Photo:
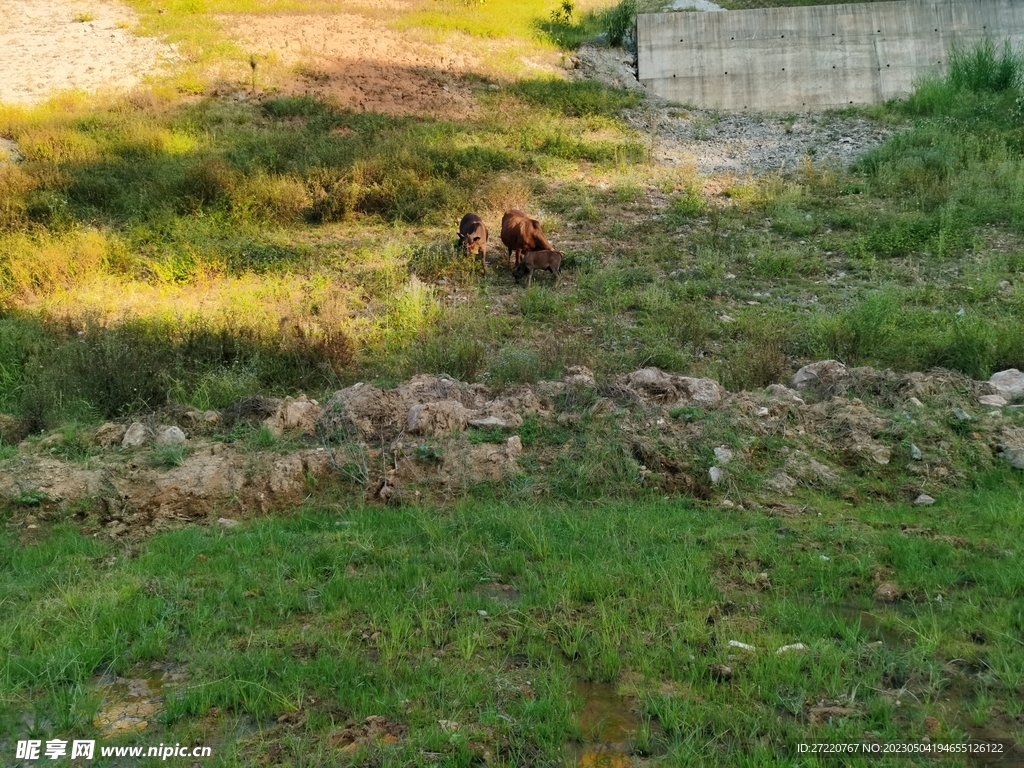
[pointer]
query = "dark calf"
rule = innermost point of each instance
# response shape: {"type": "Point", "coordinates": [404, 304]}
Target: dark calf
{"type": "Point", "coordinates": [521, 234]}
{"type": "Point", "coordinates": [473, 237]}
{"type": "Point", "coordinates": [533, 260]}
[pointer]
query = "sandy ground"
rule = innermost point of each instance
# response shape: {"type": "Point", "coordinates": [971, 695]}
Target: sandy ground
{"type": "Point", "coordinates": [43, 49]}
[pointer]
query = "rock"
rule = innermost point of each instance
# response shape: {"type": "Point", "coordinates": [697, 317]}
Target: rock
{"type": "Point", "coordinates": [1014, 456]}
{"type": "Point", "coordinates": [212, 417]}
{"type": "Point", "coordinates": [655, 385]}
{"type": "Point", "coordinates": [723, 455]}
{"type": "Point", "coordinates": [887, 592]}
{"type": "Point", "coordinates": [762, 411]}
{"type": "Point", "coordinates": [136, 436]}
{"type": "Point", "coordinates": [226, 522]}
{"type": "Point", "coordinates": [825, 714]}
{"type": "Point", "coordinates": [810, 471]}
{"type": "Point", "coordinates": [996, 401]}
{"type": "Point", "coordinates": [869, 449]}
{"type": "Point", "coordinates": [741, 646]}
{"type": "Point", "coordinates": [171, 436]}
{"type": "Point", "coordinates": [780, 482]}
{"type": "Point", "coordinates": [915, 453]}
{"type": "Point", "coordinates": [717, 474]}
{"type": "Point", "coordinates": [513, 447]}
{"type": "Point", "coordinates": [487, 422]}
{"type": "Point", "coordinates": [915, 402]}
{"type": "Point", "coordinates": [1009, 383]}
{"type": "Point", "coordinates": [924, 500]}
{"type": "Point", "coordinates": [12, 429]}
{"type": "Point", "coordinates": [794, 648]}
{"type": "Point", "coordinates": [109, 435]}
{"type": "Point", "coordinates": [961, 415]}
{"type": "Point", "coordinates": [448, 726]}
{"type": "Point", "coordinates": [579, 375]}
{"type": "Point", "coordinates": [820, 374]}
{"type": "Point", "coordinates": [438, 418]}
{"type": "Point", "coordinates": [294, 413]}
{"type": "Point", "coordinates": [782, 392]}
{"type": "Point", "coordinates": [721, 672]}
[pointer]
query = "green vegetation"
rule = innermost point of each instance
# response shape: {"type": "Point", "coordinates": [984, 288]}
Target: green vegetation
{"type": "Point", "coordinates": [290, 627]}
{"type": "Point", "coordinates": [176, 246]}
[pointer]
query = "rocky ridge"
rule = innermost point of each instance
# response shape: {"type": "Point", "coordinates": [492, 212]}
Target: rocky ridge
{"type": "Point", "coordinates": [434, 437]}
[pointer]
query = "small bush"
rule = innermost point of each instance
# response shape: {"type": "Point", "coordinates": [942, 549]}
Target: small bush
{"type": "Point", "coordinates": [984, 68]}
{"type": "Point", "coordinates": [619, 21]}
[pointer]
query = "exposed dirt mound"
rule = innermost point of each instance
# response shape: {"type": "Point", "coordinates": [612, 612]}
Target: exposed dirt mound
{"type": "Point", "coordinates": [437, 437]}
{"type": "Point", "coordinates": [50, 46]}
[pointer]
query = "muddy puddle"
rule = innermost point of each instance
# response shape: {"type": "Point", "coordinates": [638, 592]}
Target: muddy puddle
{"type": "Point", "coordinates": [871, 625]}
{"type": "Point", "coordinates": [130, 703]}
{"type": "Point", "coordinates": [611, 727]}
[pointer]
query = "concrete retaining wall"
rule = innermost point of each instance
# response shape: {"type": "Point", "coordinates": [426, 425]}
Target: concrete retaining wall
{"type": "Point", "coordinates": [792, 59]}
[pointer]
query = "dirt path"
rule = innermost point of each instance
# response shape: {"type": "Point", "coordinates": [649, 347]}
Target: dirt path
{"type": "Point", "coordinates": [45, 49]}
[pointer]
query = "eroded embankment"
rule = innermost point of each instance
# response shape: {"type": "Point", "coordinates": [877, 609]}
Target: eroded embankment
{"type": "Point", "coordinates": [838, 430]}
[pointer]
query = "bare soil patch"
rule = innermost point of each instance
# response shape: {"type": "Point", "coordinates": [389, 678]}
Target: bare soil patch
{"type": "Point", "coordinates": [45, 49]}
{"type": "Point", "coordinates": [361, 62]}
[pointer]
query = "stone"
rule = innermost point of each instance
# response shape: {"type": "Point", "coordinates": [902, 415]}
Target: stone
{"type": "Point", "coordinates": [299, 413]}
{"type": "Point", "coordinates": [437, 418]}
{"type": "Point", "coordinates": [448, 726]}
{"type": "Point", "coordinates": [1008, 383]}
{"type": "Point", "coordinates": [961, 415]}
{"type": "Point", "coordinates": [723, 455]}
{"type": "Point", "coordinates": [513, 447]}
{"type": "Point", "coordinates": [794, 648]}
{"type": "Point", "coordinates": [741, 646]}
{"type": "Point", "coordinates": [579, 375]}
{"type": "Point", "coordinates": [721, 672]}
{"type": "Point", "coordinates": [782, 392]}
{"type": "Point", "coordinates": [109, 435]}
{"type": "Point", "coordinates": [887, 592]}
{"type": "Point", "coordinates": [717, 474]}
{"type": "Point", "coordinates": [487, 422]}
{"type": "Point", "coordinates": [924, 500]}
{"type": "Point", "coordinates": [171, 436]}
{"type": "Point", "coordinates": [226, 522]}
{"type": "Point", "coordinates": [136, 436]}
{"type": "Point", "coordinates": [812, 472]}
{"type": "Point", "coordinates": [915, 453]}
{"type": "Point", "coordinates": [821, 374]}
{"type": "Point", "coordinates": [1014, 456]}
{"type": "Point", "coordinates": [656, 385]}
{"type": "Point", "coordinates": [996, 401]}
{"type": "Point", "coordinates": [780, 482]}
{"type": "Point", "coordinates": [915, 402]}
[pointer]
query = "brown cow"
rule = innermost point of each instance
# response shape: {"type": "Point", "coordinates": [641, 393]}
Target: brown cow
{"type": "Point", "coordinates": [549, 260]}
{"type": "Point", "coordinates": [522, 234]}
{"type": "Point", "coordinates": [473, 237]}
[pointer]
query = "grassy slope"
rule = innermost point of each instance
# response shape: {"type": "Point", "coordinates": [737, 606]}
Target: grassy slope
{"type": "Point", "coordinates": [339, 613]}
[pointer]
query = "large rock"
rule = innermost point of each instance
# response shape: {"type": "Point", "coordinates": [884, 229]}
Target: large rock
{"type": "Point", "coordinates": [170, 436]}
{"type": "Point", "coordinates": [438, 418]}
{"type": "Point", "coordinates": [137, 435]}
{"type": "Point", "coordinates": [294, 413]}
{"type": "Point", "coordinates": [818, 375]}
{"type": "Point", "coordinates": [655, 385]}
{"type": "Point", "coordinates": [812, 472]}
{"type": "Point", "coordinates": [1009, 383]}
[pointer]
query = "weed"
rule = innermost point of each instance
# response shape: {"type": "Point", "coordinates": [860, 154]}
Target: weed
{"type": "Point", "coordinates": [169, 456]}
{"type": "Point", "coordinates": [429, 452]}
{"type": "Point", "coordinates": [30, 497]}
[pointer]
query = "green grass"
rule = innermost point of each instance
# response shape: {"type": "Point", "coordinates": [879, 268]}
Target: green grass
{"type": "Point", "coordinates": [337, 613]}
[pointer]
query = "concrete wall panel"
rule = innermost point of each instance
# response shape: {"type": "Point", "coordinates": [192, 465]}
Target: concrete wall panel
{"type": "Point", "coordinates": [785, 59]}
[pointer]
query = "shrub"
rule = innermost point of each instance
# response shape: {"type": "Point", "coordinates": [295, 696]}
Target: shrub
{"type": "Point", "coordinates": [619, 21]}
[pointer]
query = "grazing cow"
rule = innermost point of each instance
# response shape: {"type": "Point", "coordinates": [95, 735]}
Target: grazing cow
{"type": "Point", "coordinates": [521, 234]}
{"type": "Point", "coordinates": [549, 260]}
{"type": "Point", "coordinates": [473, 237]}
